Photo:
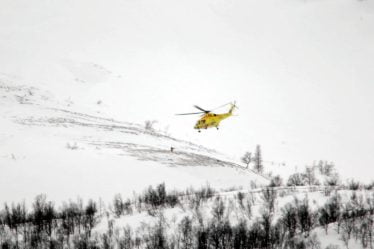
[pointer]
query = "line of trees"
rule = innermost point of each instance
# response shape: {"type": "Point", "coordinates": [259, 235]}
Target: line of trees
{"type": "Point", "coordinates": [291, 230]}
{"type": "Point", "coordinates": [45, 226]}
{"type": "Point", "coordinates": [72, 225]}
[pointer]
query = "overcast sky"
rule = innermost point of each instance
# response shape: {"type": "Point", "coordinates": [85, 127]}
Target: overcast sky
{"type": "Point", "coordinates": [301, 71]}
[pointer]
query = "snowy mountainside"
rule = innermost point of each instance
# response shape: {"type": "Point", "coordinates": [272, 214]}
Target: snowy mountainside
{"type": "Point", "coordinates": [131, 53]}
{"type": "Point", "coordinates": [54, 149]}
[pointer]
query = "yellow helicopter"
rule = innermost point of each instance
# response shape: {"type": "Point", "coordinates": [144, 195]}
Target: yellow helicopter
{"type": "Point", "coordinates": [209, 119]}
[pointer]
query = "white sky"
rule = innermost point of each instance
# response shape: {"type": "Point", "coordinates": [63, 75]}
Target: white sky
{"type": "Point", "coordinates": [301, 71]}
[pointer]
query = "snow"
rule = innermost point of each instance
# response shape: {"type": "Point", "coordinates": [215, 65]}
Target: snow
{"type": "Point", "coordinates": [66, 154]}
{"type": "Point", "coordinates": [300, 71]}
{"type": "Point", "coordinates": [78, 79]}
{"type": "Point", "coordinates": [333, 238]}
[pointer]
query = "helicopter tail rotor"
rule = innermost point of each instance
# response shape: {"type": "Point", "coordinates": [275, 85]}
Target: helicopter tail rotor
{"type": "Point", "coordinates": [234, 105]}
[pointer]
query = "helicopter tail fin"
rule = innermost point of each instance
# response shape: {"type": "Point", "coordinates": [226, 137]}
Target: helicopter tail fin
{"type": "Point", "coordinates": [233, 106]}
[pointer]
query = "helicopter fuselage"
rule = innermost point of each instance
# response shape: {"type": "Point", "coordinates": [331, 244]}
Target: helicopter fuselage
{"type": "Point", "coordinates": [210, 120]}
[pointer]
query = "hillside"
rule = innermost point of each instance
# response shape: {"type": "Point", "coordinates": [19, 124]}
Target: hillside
{"type": "Point", "coordinates": [50, 148]}
{"type": "Point", "coordinates": [300, 70]}
{"type": "Point", "coordinates": [92, 155]}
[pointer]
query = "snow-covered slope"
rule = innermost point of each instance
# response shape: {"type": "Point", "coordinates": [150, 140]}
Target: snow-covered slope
{"type": "Point", "coordinates": [47, 147]}
{"type": "Point", "coordinates": [300, 70]}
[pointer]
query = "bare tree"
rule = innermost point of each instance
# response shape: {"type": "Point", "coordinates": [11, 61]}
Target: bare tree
{"type": "Point", "coordinates": [247, 158]}
{"type": "Point", "coordinates": [186, 233]}
{"type": "Point", "coordinates": [149, 125]}
{"type": "Point", "coordinates": [118, 205]}
{"type": "Point", "coordinates": [90, 217]}
{"type": "Point", "coordinates": [306, 217]}
{"type": "Point", "coordinates": [269, 195]}
{"type": "Point", "coordinates": [258, 166]}
{"type": "Point", "coordinates": [289, 219]}
{"type": "Point", "coordinates": [310, 176]}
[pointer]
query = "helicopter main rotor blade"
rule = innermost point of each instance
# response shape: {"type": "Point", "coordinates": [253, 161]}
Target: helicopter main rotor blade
{"type": "Point", "coordinates": [192, 113]}
{"type": "Point", "coordinates": [215, 108]}
{"type": "Point", "coordinates": [201, 109]}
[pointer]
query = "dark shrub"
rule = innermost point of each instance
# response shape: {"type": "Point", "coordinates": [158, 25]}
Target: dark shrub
{"type": "Point", "coordinates": [276, 181]}
{"type": "Point", "coordinates": [296, 179]}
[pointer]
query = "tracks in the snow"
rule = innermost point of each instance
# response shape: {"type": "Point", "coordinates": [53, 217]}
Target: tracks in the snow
{"type": "Point", "coordinates": [86, 127]}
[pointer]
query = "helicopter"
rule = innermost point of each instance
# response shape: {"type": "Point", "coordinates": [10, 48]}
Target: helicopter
{"type": "Point", "coordinates": [209, 119]}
